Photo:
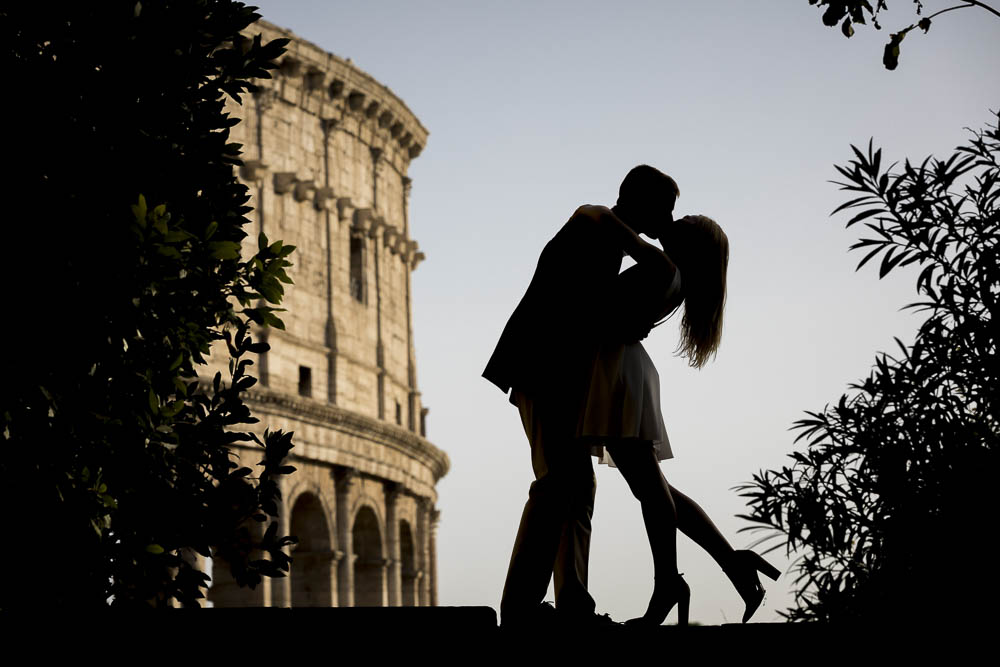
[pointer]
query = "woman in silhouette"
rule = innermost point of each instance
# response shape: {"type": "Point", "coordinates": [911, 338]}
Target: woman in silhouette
{"type": "Point", "coordinates": [621, 418]}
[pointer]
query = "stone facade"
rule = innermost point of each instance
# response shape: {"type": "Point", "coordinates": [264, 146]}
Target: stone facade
{"type": "Point", "coordinates": [326, 149]}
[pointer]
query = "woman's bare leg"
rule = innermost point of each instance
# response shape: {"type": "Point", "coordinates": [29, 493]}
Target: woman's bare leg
{"type": "Point", "coordinates": [638, 465]}
{"type": "Point", "coordinates": [693, 522]}
{"type": "Point", "coordinates": [664, 511]}
{"type": "Point", "coordinates": [740, 567]}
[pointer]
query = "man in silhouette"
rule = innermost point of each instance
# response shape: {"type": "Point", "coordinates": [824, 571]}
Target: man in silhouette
{"type": "Point", "coordinates": [545, 355]}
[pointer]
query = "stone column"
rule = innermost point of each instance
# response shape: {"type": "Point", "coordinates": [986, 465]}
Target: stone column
{"type": "Point", "coordinates": [375, 233]}
{"type": "Point", "coordinates": [257, 171]}
{"type": "Point", "coordinates": [407, 254]}
{"type": "Point", "coordinates": [263, 368]}
{"type": "Point", "coordinates": [346, 480]}
{"type": "Point", "coordinates": [412, 584]}
{"type": "Point", "coordinates": [328, 562]}
{"type": "Point", "coordinates": [423, 550]}
{"type": "Point", "coordinates": [385, 587]}
{"type": "Point", "coordinates": [432, 569]}
{"type": "Point", "coordinates": [263, 592]}
{"type": "Point", "coordinates": [394, 570]}
{"type": "Point", "coordinates": [335, 558]}
{"type": "Point", "coordinates": [331, 220]}
{"type": "Point", "coordinates": [281, 589]}
{"type": "Point", "coordinates": [264, 99]}
{"type": "Point", "coordinates": [377, 225]}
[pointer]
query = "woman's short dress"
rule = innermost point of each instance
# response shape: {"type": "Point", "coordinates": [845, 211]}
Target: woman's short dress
{"type": "Point", "coordinates": [623, 404]}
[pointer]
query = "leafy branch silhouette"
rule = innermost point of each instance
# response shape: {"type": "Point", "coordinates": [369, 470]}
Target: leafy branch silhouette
{"type": "Point", "coordinates": [893, 475]}
{"type": "Point", "coordinates": [848, 13]}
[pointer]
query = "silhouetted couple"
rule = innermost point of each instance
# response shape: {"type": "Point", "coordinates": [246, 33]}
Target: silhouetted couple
{"type": "Point", "coordinates": [584, 386]}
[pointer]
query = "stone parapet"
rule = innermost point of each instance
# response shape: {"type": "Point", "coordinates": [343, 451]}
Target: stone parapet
{"type": "Point", "coordinates": [336, 90]}
{"type": "Point", "coordinates": [345, 438]}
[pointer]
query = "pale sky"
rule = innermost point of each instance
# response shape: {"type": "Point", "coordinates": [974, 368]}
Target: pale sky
{"type": "Point", "coordinates": [536, 107]}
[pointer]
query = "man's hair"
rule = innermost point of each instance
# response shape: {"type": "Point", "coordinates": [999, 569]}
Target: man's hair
{"type": "Point", "coordinates": [644, 186]}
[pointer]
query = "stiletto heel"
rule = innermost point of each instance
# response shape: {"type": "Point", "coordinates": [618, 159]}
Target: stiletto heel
{"type": "Point", "coordinates": [683, 608]}
{"type": "Point", "coordinates": [662, 602]}
{"type": "Point", "coordinates": [768, 570]}
{"type": "Point", "coordinates": [742, 570]}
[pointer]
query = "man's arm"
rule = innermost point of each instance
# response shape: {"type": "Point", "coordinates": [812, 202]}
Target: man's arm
{"type": "Point", "coordinates": [630, 242]}
{"type": "Point", "coordinates": [640, 295]}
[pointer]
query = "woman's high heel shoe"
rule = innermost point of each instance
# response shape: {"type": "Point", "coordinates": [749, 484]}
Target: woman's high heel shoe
{"type": "Point", "coordinates": [665, 596]}
{"type": "Point", "coordinates": [742, 570]}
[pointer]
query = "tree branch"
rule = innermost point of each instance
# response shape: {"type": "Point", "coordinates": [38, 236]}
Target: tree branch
{"type": "Point", "coordinates": [944, 11]}
{"type": "Point", "coordinates": [984, 6]}
{"type": "Point", "coordinates": [968, 3]}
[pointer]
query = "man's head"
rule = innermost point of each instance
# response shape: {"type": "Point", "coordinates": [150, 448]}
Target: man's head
{"type": "Point", "coordinates": [646, 199]}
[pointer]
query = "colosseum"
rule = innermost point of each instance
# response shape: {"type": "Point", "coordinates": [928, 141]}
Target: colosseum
{"type": "Point", "coordinates": [326, 150]}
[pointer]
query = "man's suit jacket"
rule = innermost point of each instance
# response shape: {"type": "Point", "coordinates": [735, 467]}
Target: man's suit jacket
{"type": "Point", "coordinates": [549, 344]}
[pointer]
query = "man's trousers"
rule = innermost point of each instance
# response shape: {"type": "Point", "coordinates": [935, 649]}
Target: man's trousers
{"type": "Point", "coordinates": [554, 535]}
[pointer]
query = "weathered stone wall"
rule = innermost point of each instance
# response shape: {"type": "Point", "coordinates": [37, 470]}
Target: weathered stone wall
{"type": "Point", "coordinates": [326, 150]}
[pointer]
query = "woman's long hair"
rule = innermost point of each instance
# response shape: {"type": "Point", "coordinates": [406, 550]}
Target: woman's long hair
{"type": "Point", "coordinates": [703, 261]}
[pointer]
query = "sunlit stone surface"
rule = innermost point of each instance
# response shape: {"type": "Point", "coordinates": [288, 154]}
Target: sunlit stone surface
{"type": "Point", "coordinates": [326, 151]}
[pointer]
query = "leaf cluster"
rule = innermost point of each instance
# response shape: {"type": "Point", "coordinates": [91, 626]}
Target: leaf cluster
{"type": "Point", "coordinates": [848, 13]}
{"type": "Point", "coordinates": [120, 458]}
{"type": "Point", "coordinates": [896, 475]}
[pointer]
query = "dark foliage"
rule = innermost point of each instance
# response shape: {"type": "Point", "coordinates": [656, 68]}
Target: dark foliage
{"type": "Point", "coordinates": [893, 493]}
{"type": "Point", "coordinates": [115, 459]}
{"type": "Point", "coordinates": [848, 13]}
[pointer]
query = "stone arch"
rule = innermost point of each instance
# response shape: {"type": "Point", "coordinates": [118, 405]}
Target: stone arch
{"type": "Point", "coordinates": [369, 559]}
{"type": "Point", "coordinates": [362, 499]}
{"type": "Point", "coordinates": [408, 565]}
{"type": "Point", "coordinates": [308, 487]}
{"type": "Point", "coordinates": [313, 562]}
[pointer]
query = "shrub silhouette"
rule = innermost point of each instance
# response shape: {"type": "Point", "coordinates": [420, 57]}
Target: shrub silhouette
{"type": "Point", "coordinates": [889, 496]}
{"type": "Point", "coordinates": [115, 460]}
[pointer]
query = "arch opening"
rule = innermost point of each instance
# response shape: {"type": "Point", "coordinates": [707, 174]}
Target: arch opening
{"type": "Point", "coordinates": [369, 562]}
{"type": "Point", "coordinates": [312, 558]}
